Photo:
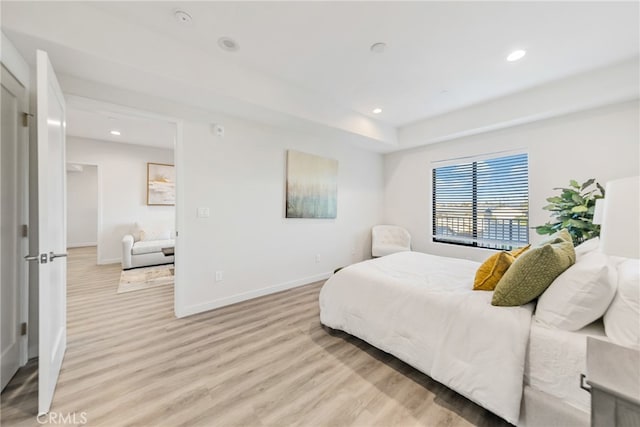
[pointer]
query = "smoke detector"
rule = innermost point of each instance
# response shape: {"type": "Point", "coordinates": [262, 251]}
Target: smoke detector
{"type": "Point", "coordinates": [228, 44]}
{"type": "Point", "coordinates": [378, 47]}
{"type": "Point", "coordinates": [182, 17]}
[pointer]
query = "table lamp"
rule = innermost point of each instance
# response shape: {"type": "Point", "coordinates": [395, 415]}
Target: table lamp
{"type": "Point", "coordinates": [620, 229]}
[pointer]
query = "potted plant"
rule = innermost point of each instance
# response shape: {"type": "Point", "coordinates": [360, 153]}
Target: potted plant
{"type": "Point", "coordinates": [573, 209]}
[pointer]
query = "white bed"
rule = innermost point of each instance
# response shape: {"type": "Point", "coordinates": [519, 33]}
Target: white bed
{"type": "Point", "coordinates": [421, 308]}
{"type": "Point", "coordinates": [555, 360]}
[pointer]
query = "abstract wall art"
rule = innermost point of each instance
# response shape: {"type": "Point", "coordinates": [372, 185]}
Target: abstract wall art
{"type": "Point", "coordinates": [312, 186]}
{"type": "Point", "coordinates": [161, 184]}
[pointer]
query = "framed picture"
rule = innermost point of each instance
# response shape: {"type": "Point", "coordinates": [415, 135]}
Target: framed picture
{"type": "Point", "coordinates": [161, 184]}
{"type": "Point", "coordinates": [312, 186]}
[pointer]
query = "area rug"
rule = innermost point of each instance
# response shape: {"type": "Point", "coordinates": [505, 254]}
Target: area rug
{"type": "Point", "coordinates": [144, 278]}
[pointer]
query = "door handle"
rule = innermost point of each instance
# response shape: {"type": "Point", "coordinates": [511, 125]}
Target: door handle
{"type": "Point", "coordinates": [53, 256]}
{"type": "Point", "coordinates": [42, 258]}
{"type": "Point", "coordinates": [583, 384]}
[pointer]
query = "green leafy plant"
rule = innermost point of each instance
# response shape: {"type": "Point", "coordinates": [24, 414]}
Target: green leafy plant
{"type": "Point", "coordinates": [573, 209]}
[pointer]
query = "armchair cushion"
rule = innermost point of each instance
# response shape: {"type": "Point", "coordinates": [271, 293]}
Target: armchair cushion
{"type": "Point", "coordinates": [151, 246]}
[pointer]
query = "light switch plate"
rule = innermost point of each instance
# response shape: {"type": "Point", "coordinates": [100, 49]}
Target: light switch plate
{"type": "Point", "coordinates": [203, 213]}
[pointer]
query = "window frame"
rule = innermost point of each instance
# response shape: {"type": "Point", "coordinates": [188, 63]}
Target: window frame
{"type": "Point", "coordinates": [474, 241]}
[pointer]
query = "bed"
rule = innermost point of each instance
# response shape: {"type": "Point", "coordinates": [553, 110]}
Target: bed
{"type": "Point", "coordinates": [555, 359]}
{"type": "Point", "coordinates": [523, 367]}
{"type": "Point", "coordinates": [421, 309]}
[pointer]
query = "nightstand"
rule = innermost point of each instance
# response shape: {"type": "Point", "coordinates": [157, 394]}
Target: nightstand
{"type": "Point", "coordinates": [613, 372]}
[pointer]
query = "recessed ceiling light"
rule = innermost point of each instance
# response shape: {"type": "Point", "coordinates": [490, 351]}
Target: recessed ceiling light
{"type": "Point", "coordinates": [378, 47]}
{"type": "Point", "coordinates": [377, 110]}
{"type": "Point", "coordinates": [115, 132]}
{"type": "Point", "coordinates": [182, 17]}
{"type": "Point", "coordinates": [516, 54]}
{"type": "Point", "coordinates": [228, 44]}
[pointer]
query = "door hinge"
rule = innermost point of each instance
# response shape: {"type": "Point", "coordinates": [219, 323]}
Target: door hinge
{"type": "Point", "coordinates": [25, 119]}
{"type": "Point", "coordinates": [23, 329]}
{"type": "Point", "coordinates": [25, 230]}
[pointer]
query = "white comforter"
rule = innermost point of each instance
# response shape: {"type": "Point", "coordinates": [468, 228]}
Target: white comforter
{"type": "Point", "coordinates": [422, 309]}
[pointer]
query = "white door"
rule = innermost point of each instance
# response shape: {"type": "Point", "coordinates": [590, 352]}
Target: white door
{"type": "Point", "coordinates": [13, 99]}
{"type": "Point", "coordinates": [52, 230]}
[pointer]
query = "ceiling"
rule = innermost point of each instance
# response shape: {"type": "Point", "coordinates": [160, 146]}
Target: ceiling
{"type": "Point", "coordinates": [97, 123]}
{"type": "Point", "coordinates": [310, 62]}
{"type": "Point", "coordinates": [441, 56]}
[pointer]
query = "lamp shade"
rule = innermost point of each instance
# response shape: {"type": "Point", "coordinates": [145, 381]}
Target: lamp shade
{"type": "Point", "coordinates": [598, 213]}
{"type": "Point", "coordinates": [620, 230]}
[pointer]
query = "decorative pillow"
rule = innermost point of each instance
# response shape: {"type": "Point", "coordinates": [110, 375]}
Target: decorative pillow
{"type": "Point", "coordinates": [622, 319]}
{"type": "Point", "coordinates": [492, 270]}
{"type": "Point", "coordinates": [519, 251]}
{"type": "Point", "coordinates": [580, 295]}
{"type": "Point", "coordinates": [560, 234]}
{"type": "Point", "coordinates": [533, 272]}
{"type": "Point", "coordinates": [154, 232]}
{"type": "Point", "coordinates": [135, 232]}
{"type": "Point", "coordinates": [587, 246]}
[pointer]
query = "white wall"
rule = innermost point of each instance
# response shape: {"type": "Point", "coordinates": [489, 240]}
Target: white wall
{"type": "Point", "coordinates": [241, 178]}
{"type": "Point", "coordinates": [602, 143]}
{"type": "Point", "coordinates": [122, 181]}
{"type": "Point", "coordinates": [82, 207]}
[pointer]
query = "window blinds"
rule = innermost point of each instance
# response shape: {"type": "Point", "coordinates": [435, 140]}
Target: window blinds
{"type": "Point", "coordinates": [482, 203]}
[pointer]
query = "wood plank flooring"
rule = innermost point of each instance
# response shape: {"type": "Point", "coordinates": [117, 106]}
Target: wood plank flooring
{"type": "Point", "coordinates": [264, 362]}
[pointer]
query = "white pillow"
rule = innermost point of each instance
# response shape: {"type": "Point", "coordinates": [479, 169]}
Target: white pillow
{"type": "Point", "coordinates": [580, 295]}
{"type": "Point", "coordinates": [151, 232]}
{"type": "Point", "coordinates": [622, 319]}
{"type": "Point", "coordinates": [587, 246]}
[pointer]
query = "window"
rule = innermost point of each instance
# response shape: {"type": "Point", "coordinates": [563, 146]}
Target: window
{"type": "Point", "coordinates": [483, 203]}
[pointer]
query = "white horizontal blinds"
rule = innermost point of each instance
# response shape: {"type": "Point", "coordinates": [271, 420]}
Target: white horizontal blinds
{"type": "Point", "coordinates": [482, 203]}
{"type": "Point", "coordinates": [453, 203]}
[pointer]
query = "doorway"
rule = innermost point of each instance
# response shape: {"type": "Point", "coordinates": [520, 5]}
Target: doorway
{"type": "Point", "coordinates": [124, 147]}
{"type": "Point", "coordinates": [14, 141]}
{"type": "Point", "coordinates": [82, 205]}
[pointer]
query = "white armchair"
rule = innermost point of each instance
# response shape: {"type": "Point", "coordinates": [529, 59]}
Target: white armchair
{"type": "Point", "coordinates": [389, 239]}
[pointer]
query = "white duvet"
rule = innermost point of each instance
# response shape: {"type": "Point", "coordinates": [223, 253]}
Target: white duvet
{"type": "Point", "coordinates": [422, 309]}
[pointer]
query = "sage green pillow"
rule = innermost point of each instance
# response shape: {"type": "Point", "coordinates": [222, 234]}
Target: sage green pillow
{"type": "Point", "coordinates": [560, 234]}
{"type": "Point", "coordinates": [532, 273]}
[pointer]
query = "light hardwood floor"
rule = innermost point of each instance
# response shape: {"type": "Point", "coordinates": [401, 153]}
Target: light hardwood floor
{"type": "Point", "coordinates": [263, 362]}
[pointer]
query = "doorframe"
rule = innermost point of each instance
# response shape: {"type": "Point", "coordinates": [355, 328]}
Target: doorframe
{"type": "Point", "coordinates": [11, 59]}
{"type": "Point", "coordinates": [80, 102]}
{"type": "Point", "coordinates": [98, 202]}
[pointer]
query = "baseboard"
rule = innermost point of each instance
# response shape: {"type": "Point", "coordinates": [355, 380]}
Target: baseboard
{"type": "Point", "coordinates": [109, 261]}
{"type": "Point", "coordinates": [221, 302]}
{"type": "Point", "coordinates": [81, 245]}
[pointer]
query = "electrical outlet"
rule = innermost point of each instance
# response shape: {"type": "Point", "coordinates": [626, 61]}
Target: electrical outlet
{"type": "Point", "coordinates": [218, 276]}
{"type": "Point", "coordinates": [317, 258]}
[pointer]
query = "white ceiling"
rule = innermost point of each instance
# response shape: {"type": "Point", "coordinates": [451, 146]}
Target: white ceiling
{"type": "Point", "coordinates": [87, 122]}
{"type": "Point", "coordinates": [310, 61]}
{"type": "Point", "coordinates": [441, 56]}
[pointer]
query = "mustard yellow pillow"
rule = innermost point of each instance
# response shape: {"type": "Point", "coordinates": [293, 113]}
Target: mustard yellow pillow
{"type": "Point", "coordinates": [492, 270]}
{"type": "Point", "coordinates": [519, 251]}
